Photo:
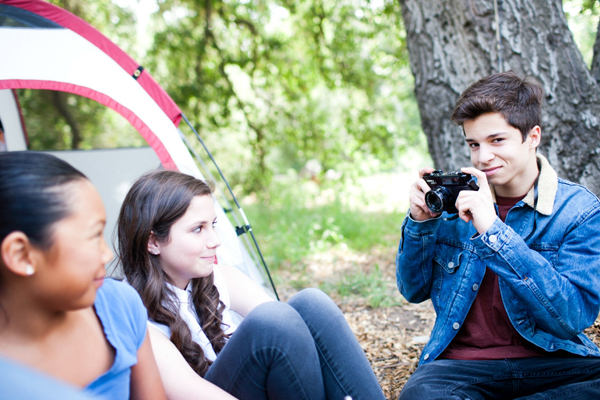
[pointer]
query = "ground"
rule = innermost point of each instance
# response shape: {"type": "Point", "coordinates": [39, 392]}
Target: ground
{"type": "Point", "coordinates": [392, 336]}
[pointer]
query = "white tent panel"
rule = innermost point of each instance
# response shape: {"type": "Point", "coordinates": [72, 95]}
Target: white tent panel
{"type": "Point", "coordinates": [60, 55]}
{"type": "Point", "coordinates": [11, 121]}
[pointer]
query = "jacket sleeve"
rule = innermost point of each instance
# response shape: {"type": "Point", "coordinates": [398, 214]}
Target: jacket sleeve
{"type": "Point", "coordinates": [561, 297]}
{"type": "Point", "coordinates": [414, 262]}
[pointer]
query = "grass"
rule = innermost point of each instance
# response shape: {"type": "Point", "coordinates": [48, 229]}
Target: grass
{"type": "Point", "coordinates": [289, 232]}
{"type": "Point", "coordinates": [294, 227]}
{"type": "Point", "coordinates": [368, 285]}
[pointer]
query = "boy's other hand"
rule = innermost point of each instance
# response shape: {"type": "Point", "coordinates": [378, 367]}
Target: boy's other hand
{"type": "Point", "coordinates": [477, 206]}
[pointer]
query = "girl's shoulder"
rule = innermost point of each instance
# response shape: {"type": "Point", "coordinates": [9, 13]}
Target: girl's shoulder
{"type": "Point", "coordinates": [119, 305]}
{"type": "Point", "coordinates": [115, 289]}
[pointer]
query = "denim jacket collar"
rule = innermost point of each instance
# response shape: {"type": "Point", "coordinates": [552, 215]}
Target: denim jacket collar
{"type": "Point", "coordinates": [547, 186]}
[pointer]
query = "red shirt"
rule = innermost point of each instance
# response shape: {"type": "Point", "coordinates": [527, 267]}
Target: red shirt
{"type": "Point", "coordinates": [487, 333]}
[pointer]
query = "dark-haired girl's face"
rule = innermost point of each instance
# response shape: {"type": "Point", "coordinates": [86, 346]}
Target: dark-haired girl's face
{"type": "Point", "coordinates": [191, 249]}
{"type": "Point", "coordinates": [70, 272]}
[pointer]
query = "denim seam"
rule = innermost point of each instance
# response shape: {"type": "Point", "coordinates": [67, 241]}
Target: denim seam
{"type": "Point", "coordinates": [325, 360]}
{"type": "Point", "coordinates": [558, 373]}
{"type": "Point", "coordinates": [452, 388]}
{"type": "Point", "coordinates": [574, 390]}
{"type": "Point", "coordinates": [322, 353]}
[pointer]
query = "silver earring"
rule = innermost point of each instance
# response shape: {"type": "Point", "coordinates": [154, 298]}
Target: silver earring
{"type": "Point", "coordinates": [29, 270]}
{"type": "Point", "coordinates": [153, 252]}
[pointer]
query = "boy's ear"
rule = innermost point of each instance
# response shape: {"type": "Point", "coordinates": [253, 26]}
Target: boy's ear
{"type": "Point", "coordinates": [153, 247]}
{"type": "Point", "coordinates": [535, 137]}
{"type": "Point", "coordinates": [16, 254]}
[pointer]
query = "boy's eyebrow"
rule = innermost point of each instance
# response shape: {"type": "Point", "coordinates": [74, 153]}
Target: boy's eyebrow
{"type": "Point", "coordinates": [490, 136]}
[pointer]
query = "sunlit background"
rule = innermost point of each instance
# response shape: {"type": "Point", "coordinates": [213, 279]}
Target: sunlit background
{"type": "Point", "coordinates": [308, 108]}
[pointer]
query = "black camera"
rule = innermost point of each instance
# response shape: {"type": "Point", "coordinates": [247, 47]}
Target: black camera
{"type": "Point", "coordinates": [445, 187]}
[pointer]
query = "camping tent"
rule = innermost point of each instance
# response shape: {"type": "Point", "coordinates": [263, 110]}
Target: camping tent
{"type": "Point", "coordinates": [45, 47]}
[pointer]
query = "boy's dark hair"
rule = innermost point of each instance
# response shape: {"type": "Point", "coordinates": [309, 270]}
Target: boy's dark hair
{"type": "Point", "coordinates": [518, 100]}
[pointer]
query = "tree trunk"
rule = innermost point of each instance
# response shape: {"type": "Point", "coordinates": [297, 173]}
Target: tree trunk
{"type": "Point", "coordinates": [596, 57]}
{"type": "Point", "coordinates": [59, 100]}
{"type": "Point", "coordinates": [452, 44]}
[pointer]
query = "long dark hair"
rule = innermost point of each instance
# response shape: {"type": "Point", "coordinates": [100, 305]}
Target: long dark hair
{"type": "Point", "coordinates": [154, 203]}
{"type": "Point", "coordinates": [32, 198]}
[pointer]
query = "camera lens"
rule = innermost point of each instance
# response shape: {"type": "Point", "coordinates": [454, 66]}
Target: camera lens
{"type": "Point", "coordinates": [435, 200]}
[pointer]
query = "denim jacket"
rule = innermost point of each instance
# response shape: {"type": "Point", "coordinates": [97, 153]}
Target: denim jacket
{"type": "Point", "coordinates": [546, 256]}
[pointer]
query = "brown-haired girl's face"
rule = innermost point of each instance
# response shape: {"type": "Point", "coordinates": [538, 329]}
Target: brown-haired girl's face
{"type": "Point", "coordinates": [70, 272]}
{"type": "Point", "coordinates": [190, 251]}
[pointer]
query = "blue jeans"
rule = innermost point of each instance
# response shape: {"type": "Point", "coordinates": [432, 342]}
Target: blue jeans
{"type": "Point", "coordinates": [524, 378]}
{"type": "Point", "coordinates": [300, 350]}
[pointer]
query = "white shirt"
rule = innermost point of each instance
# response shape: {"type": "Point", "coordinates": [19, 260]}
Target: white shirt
{"type": "Point", "coordinates": [189, 315]}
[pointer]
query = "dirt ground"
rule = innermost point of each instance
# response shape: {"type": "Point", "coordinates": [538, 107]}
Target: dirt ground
{"type": "Point", "coordinates": [392, 337]}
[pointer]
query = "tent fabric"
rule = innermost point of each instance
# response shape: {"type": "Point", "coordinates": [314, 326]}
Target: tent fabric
{"type": "Point", "coordinates": [40, 14]}
{"type": "Point", "coordinates": [163, 155]}
{"type": "Point", "coordinates": [46, 47]}
{"type": "Point", "coordinates": [18, 17]}
{"type": "Point", "coordinates": [88, 64]}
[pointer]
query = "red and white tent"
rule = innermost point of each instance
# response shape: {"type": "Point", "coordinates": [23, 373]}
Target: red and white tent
{"type": "Point", "coordinates": [45, 47]}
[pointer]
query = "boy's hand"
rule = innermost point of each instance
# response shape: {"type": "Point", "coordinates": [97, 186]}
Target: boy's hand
{"type": "Point", "coordinates": [418, 209]}
{"type": "Point", "coordinates": [477, 206]}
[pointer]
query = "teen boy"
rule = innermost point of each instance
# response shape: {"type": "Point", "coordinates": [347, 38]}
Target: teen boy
{"type": "Point", "coordinates": [516, 278]}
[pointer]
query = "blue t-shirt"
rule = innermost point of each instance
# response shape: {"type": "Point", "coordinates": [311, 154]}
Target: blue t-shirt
{"type": "Point", "coordinates": [123, 316]}
{"type": "Point", "coordinates": [18, 381]}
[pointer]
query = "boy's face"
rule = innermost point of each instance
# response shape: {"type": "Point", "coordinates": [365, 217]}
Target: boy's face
{"type": "Point", "coordinates": [498, 150]}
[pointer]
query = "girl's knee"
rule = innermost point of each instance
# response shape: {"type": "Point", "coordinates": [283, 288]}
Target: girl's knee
{"type": "Point", "coordinates": [273, 316]}
{"type": "Point", "coordinates": [312, 299]}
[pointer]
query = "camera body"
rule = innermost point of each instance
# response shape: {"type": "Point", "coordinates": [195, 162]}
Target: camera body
{"type": "Point", "coordinates": [445, 187]}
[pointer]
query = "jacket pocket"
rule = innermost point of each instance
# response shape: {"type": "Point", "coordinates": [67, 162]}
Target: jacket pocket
{"type": "Point", "coordinates": [449, 261]}
{"type": "Point", "coordinates": [446, 261]}
{"type": "Point", "coordinates": [549, 252]}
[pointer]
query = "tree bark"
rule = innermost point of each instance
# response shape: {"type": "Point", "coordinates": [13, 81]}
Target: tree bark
{"type": "Point", "coordinates": [596, 57]}
{"type": "Point", "coordinates": [452, 44]}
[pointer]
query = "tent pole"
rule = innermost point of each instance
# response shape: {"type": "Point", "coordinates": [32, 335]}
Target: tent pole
{"type": "Point", "coordinates": [247, 227]}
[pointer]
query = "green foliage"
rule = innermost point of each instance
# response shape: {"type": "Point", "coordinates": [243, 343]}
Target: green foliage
{"type": "Point", "coordinates": [270, 85]}
{"type": "Point", "coordinates": [368, 285]}
{"type": "Point", "coordinates": [273, 84]}
{"type": "Point", "coordinates": [582, 16]}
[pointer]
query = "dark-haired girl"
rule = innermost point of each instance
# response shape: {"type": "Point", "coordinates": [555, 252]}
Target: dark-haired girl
{"type": "Point", "coordinates": [300, 350]}
{"type": "Point", "coordinates": [58, 314]}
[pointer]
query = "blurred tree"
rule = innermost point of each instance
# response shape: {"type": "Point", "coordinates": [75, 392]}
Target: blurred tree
{"type": "Point", "coordinates": [453, 43]}
{"type": "Point", "coordinates": [273, 84]}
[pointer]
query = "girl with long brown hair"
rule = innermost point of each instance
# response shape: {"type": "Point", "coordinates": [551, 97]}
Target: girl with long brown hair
{"type": "Point", "coordinates": [58, 315]}
{"type": "Point", "coordinates": [300, 350]}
